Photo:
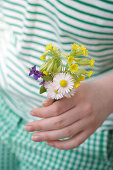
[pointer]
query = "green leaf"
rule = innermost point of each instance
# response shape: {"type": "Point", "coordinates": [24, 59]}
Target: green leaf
{"type": "Point", "coordinates": [59, 69]}
{"type": "Point", "coordinates": [42, 89]}
{"type": "Point", "coordinates": [48, 78]}
{"type": "Point", "coordinates": [43, 67]}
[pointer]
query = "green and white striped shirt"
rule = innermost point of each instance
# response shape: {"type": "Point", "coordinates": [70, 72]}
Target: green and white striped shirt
{"type": "Point", "coordinates": [28, 26]}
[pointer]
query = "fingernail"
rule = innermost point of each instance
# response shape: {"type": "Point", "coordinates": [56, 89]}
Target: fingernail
{"type": "Point", "coordinates": [32, 113]}
{"type": "Point", "coordinates": [45, 101]}
{"type": "Point", "coordinates": [29, 128]}
{"type": "Point", "coordinates": [36, 138]}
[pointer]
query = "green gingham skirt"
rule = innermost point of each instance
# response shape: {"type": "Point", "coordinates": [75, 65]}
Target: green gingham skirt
{"type": "Point", "coordinates": [18, 152]}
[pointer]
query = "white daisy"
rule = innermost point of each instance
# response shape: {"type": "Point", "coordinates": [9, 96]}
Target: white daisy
{"type": "Point", "coordinates": [47, 84]}
{"type": "Point", "coordinates": [71, 93]}
{"type": "Point", "coordinates": [63, 82]}
{"type": "Point", "coordinates": [53, 93]}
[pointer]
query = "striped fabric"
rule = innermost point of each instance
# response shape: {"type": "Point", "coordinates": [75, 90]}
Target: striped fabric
{"type": "Point", "coordinates": [18, 152]}
{"type": "Point", "coordinates": [28, 26]}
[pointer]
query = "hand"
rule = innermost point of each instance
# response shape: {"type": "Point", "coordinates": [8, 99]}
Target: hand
{"type": "Point", "coordinates": [78, 117]}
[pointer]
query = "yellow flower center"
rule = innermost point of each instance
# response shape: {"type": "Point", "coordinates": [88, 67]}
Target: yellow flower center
{"type": "Point", "coordinates": [63, 83]}
{"type": "Point", "coordinates": [56, 91]}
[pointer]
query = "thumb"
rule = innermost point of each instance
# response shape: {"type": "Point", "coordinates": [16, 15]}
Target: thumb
{"type": "Point", "coordinates": [47, 102]}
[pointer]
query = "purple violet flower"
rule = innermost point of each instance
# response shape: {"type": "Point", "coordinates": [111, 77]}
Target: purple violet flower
{"type": "Point", "coordinates": [36, 74]}
{"type": "Point", "coordinates": [42, 82]}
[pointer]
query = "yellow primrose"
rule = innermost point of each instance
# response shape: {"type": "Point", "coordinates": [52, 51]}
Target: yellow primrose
{"type": "Point", "coordinates": [76, 86]}
{"type": "Point", "coordinates": [85, 52]}
{"type": "Point", "coordinates": [73, 67]}
{"type": "Point", "coordinates": [45, 72]}
{"type": "Point", "coordinates": [78, 81]}
{"type": "Point", "coordinates": [75, 46]}
{"type": "Point", "coordinates": [82, 47]}
{"type": "Point", "coordinates": [54, 48]}
{"type": "Point", "coordinates": [42, 57]}
{"type": "Point", "coordinates": [70, 59]}
{"type": "Point", "coordinates": [92, 62]}
{"type": "Point", "coordinates": [48, 47]}
{"type": "Point", "coordinates": [90, 73]}
{"type": "Point", "coordinates": [82, 78]}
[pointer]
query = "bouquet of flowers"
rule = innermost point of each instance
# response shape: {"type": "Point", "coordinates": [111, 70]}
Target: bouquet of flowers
{"type": "Point", "coordinates": [61, 80]}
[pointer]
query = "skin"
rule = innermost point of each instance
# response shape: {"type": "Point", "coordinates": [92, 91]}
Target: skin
{"type": "Point", "coordinates": [77, 117]}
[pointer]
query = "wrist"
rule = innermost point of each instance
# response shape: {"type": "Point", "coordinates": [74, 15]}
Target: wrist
{"type": "Point", "coordinates": [105, 86]}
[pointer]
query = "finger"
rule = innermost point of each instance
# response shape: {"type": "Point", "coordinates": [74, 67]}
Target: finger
{"type": "Point", "coordinates": [47, 102]}
{"type": "Point", "coordinates": [54, 109]}
{"type": "Point", "coordinates": [72, 143]}
{"type": "Point", "coordinates": [57, 122]}
{"type": "Point", "coordinates": [71, 130]}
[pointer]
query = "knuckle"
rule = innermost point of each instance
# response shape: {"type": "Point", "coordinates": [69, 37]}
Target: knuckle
{"type": "Point", "coordinates": [88, 109]}
{"type": "Point", "coordinates": [59, 123]}
{"type": "Point", "coordinates": [69, 132]}
{"type": "Point", "coordinates": [46, 137]}
{"type": "Point", "coordinates": [93, 119]}
{"type": "Point", "coordinates": [38, 126]}
{"type": "Point", "coordinates": [56, 110]}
